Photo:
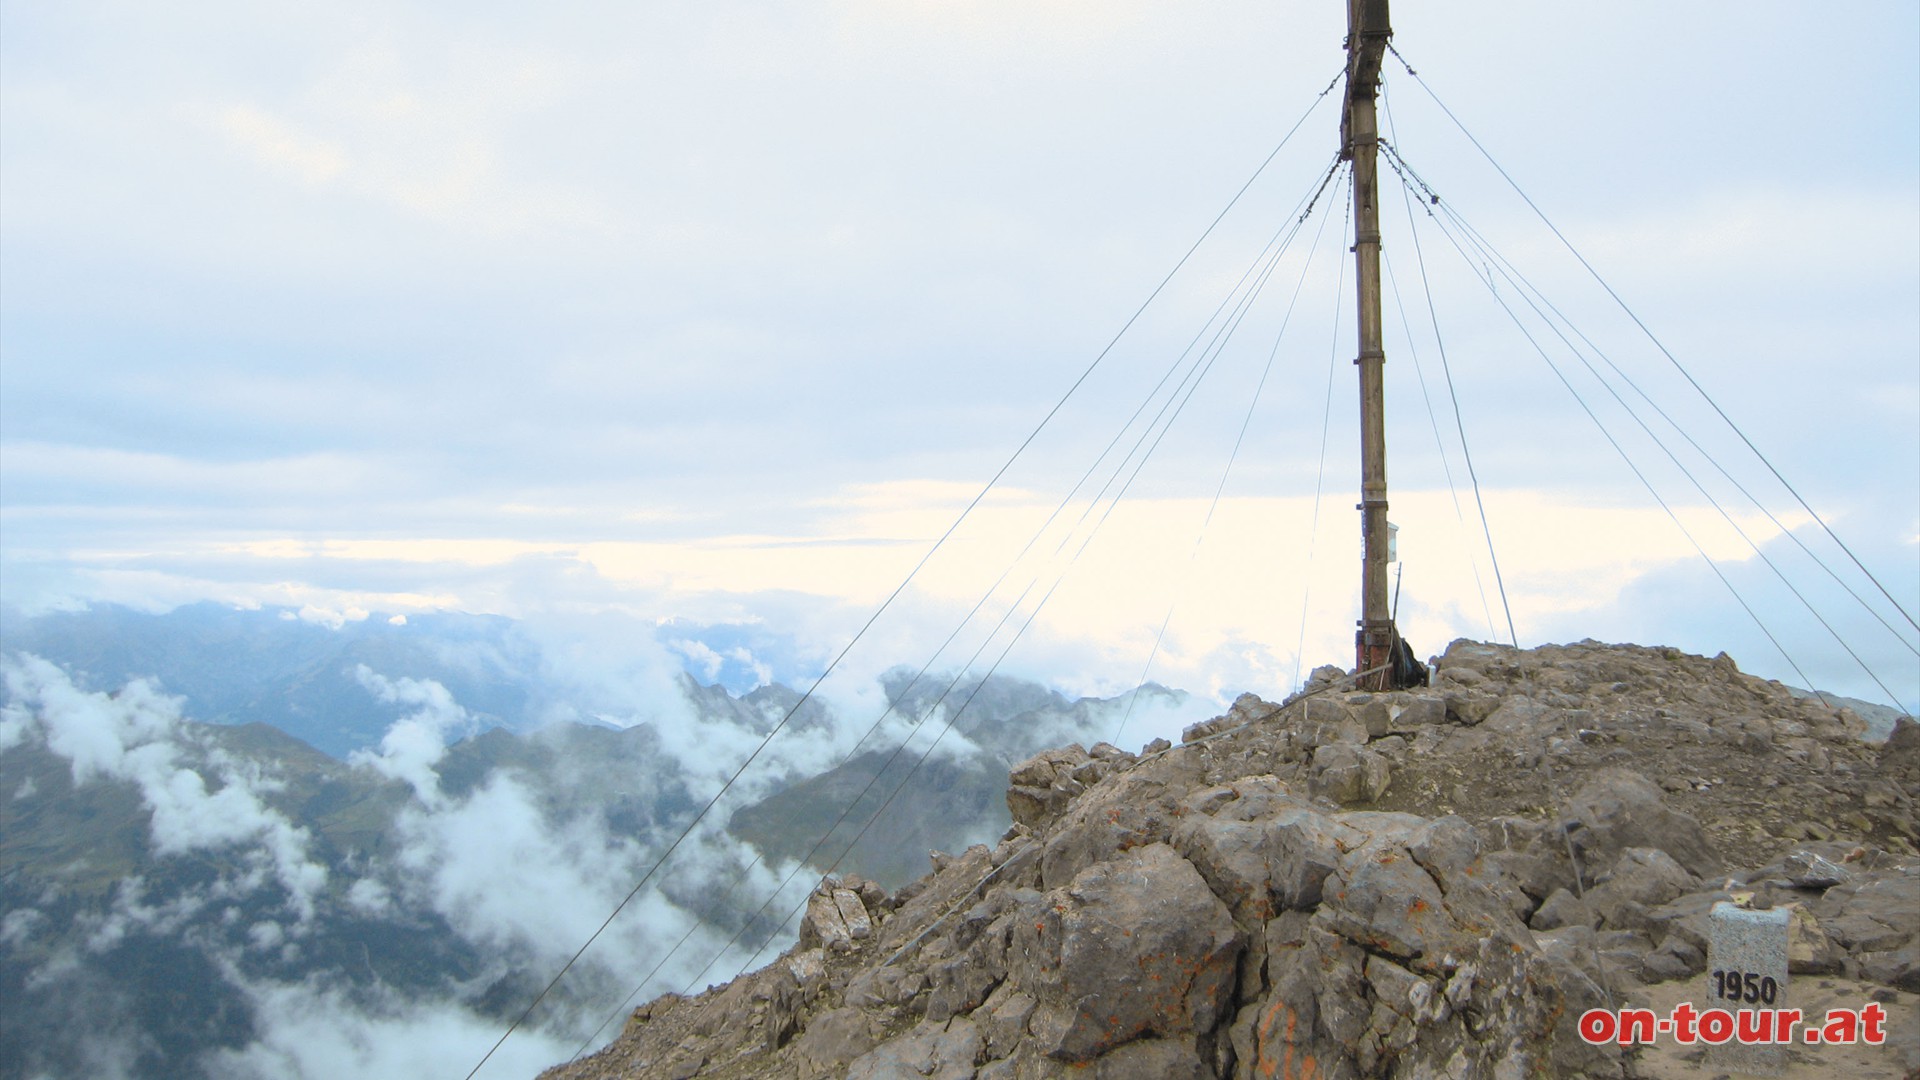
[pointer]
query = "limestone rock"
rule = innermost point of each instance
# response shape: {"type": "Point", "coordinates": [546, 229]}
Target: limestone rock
{"type": "Point", "coordinates": [1329, 994]}
{"type": "Point", "coordinates": [1381, 898]}
{"type": "Point", "coordinates": [835, 918]}
{"type": "Point", "coordinates": [1133, 947]}
{"type": "Point", "coordinates": [834, 1039]}
{"type": "Point", "coordinates": [1642, 878]}
{"type": "Point", "coordinates": [1040, 787]}
{"type": "Point", "coordinates": [1129, 812]}
{"type": "Point", "coordinates": [853, 914]}
{"type": "Point", "coordinates": [1324, 721]}
{"type": "Point", "coordinates": [1265, 851]}
{"type": "Point", "coordinates": [1809, 950]}
{"type": "Point", "coordinates": [945, 1051]}
{"type": "Point", "coordinates": [1563, 909]}
{"type": "Point", "coordinates": [1348, 774]}
{"type": "Point", "coordinates": [1154, 1059]}
{"type": "Point", "coordinates": [1676, 958]}
{"type": "Point", "coordinates": [1899, 758]}
{"type": "Point", "coordinates": [883, 987]}
{"type": "Point", "coordinates": [1620, 809]}
{"type": "Point", "coordinates": [1807, 870]}
{"type": "Point", "coordinates": [823, 926]}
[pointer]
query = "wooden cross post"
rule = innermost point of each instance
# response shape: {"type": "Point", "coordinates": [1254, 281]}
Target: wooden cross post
{"type": "Point", "coordinates": [1367, 34]}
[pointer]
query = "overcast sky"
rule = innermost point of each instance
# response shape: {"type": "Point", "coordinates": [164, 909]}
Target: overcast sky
{"type": "Point", "coordinates": [723, 311]}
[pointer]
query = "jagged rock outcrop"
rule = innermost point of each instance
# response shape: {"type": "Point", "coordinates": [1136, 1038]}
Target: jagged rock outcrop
{"type": "Point", "coordinates": [1433, 883]}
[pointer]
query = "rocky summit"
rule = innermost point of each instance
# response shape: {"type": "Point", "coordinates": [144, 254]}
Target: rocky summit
{"type": "Point", "coordinates": [1433, 883]}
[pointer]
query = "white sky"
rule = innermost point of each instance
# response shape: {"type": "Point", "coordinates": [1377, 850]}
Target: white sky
{"type": "Point", "coordinates": [724, 310]}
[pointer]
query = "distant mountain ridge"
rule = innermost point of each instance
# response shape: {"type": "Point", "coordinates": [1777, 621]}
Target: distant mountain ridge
{"type": "Point", "coordinates": [240, 666]}
{"type": "Point", "coordinates": [271, 665]}
{"type": "Point", "coordinates": [881, 812]}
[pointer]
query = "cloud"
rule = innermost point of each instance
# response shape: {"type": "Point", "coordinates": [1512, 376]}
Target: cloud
{"type": "Point", "coordinates": [370, 896]}
{"type": "Point", "coordinates": [517, 868]}
{"type": "Point", "coordinates": [278, 144]}
{"type": "Point", "coordinates": [332, 618]}
{"type": "Point", "coordinates": [137, 735]}
{"type": "Point", "coordinates": [18, 925]}
{"type": "Point", "coordinates": [39, 469]}
{"type": "Point", "coordinates": [1235, 600]}
{"type": "Point", "coordinates": [1687, 605]}
{"type": "Point", "coordinates": [414, 744]}
{"type": "Point", "coordinates": [313, 1031]}
{"type": "Point", "coordinates": [504, 875]}
{"type": "Point", "coordinates": [111, 1051]}
{"type": "Point", "coordinates": [706, 662]}
{"type": "Point", "coordinates": [761, 670]}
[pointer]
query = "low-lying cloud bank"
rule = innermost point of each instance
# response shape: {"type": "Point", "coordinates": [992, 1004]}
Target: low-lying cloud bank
{"type": "Point", "coordinates": [390, 914]}
{"type": "Point", "coordinates": [508, 874]}
{"type": "Point", "coordinates": [137, 736]}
